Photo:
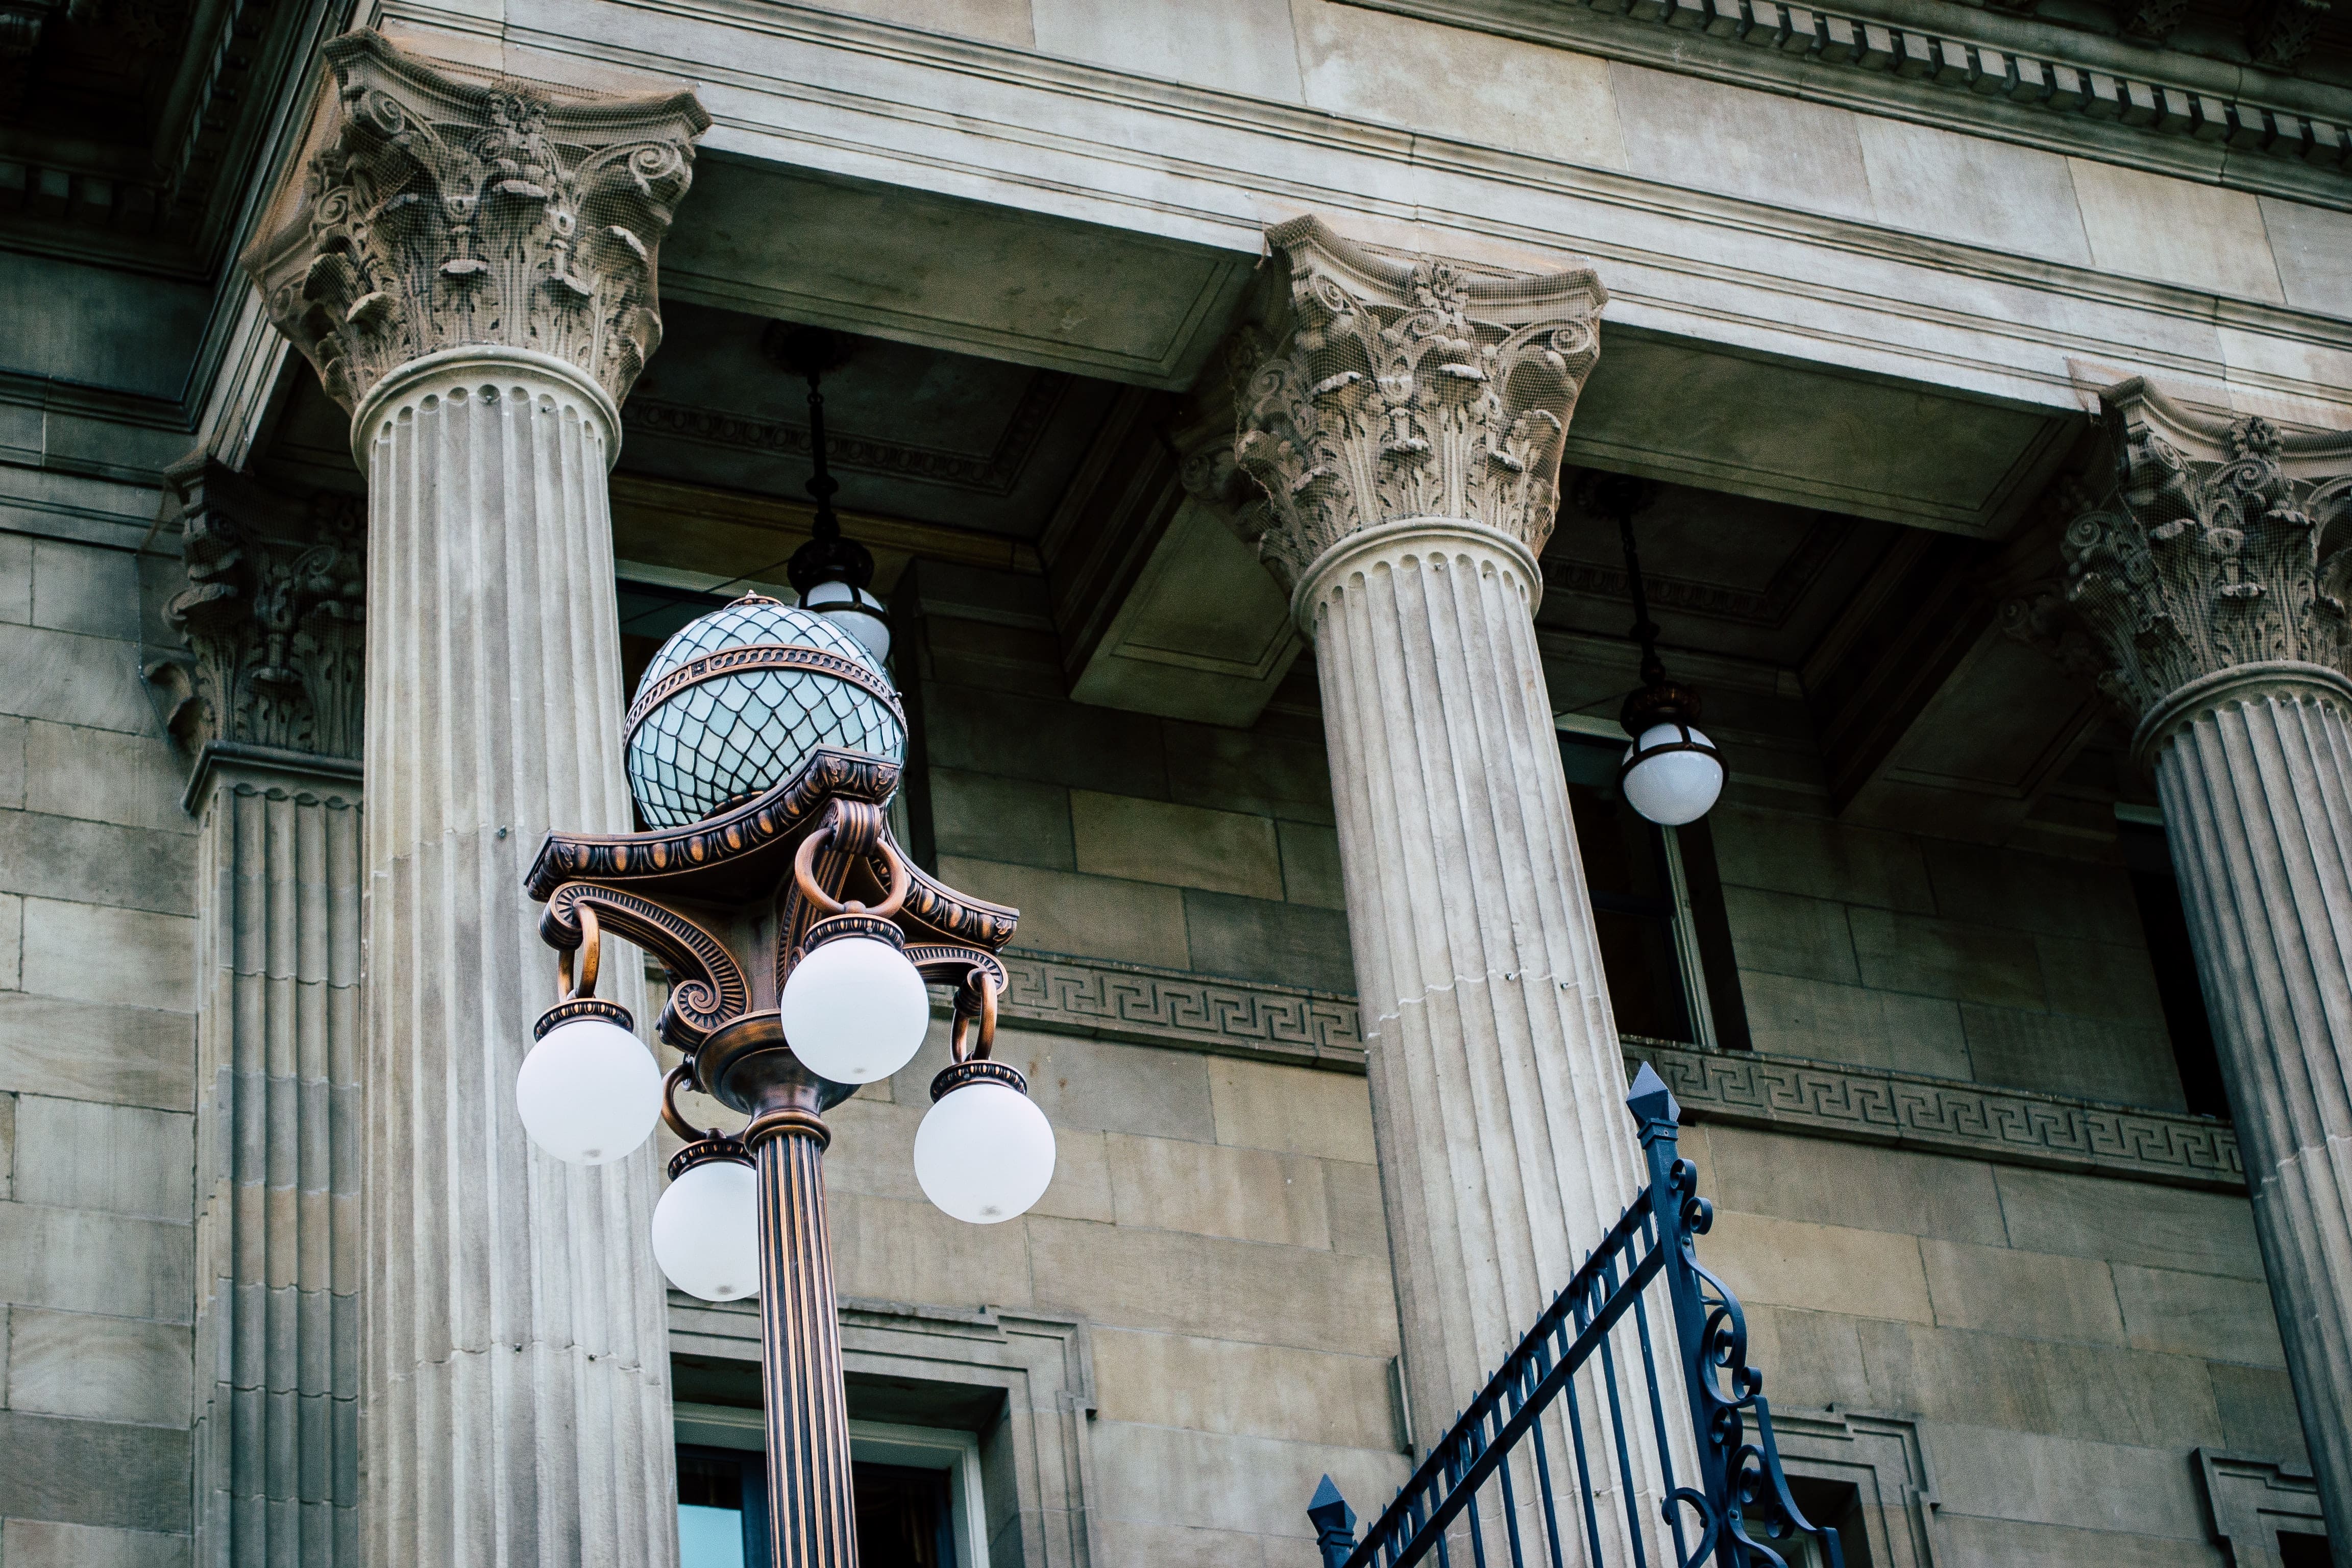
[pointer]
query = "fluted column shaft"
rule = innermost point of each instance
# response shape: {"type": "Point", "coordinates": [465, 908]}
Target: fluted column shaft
{"type": "Point", "coordinates": [2256, 784]}
{"type": "Point", "coordinates": [2209, 575]}
{"type": "Point", "coordinates": [1400, 422]}
{"type": "Point", "coordinates": [516, 1408]}
{"type": "Point", "coordinates": [1497, 1084]}
{"type": "Point", "coordinates": [278, 1042]}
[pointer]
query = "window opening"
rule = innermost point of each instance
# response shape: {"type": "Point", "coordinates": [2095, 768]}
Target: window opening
{"type": "Point", "coordinates": [916, 1490]}
{"type": "Point", "coordinates": [2164, 921]}
{"type": "Point", "coordinates": [2301, 1548]}
{"type": "Point", "coordinates": [723, 1515]}
{"type": "Point", "coordinates": [1835, 1506]}
{"type": "Point", "coordinates": [903, 1517]}
{"type": "Point", "coordinates": [1657, 907]}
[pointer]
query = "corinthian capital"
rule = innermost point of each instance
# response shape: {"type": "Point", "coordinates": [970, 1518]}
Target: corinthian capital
{"type": "Point", "coordinates": [1410, 389]}
{"type": "Point", "coordinates": [2214, 553]}
{"type": "Point", "coordinates": [274, 613]}
{"type": "Point", "coordinates": [431, 214]}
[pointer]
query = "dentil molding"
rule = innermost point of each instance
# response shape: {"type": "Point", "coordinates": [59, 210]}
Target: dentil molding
{"type": "Point", "coordinates": [1394, 389]}
{"type": "Point", "coordinates": [431, 214]}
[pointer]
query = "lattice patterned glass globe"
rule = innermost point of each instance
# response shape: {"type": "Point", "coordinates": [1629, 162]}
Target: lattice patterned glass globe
{"type": "Point", "coordinates": [734, 703]}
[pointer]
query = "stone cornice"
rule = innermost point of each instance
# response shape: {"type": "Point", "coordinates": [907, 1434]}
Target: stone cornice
{"type": "Point", "coordinates": [169, 205]}
{"type": "Point", "coordinates": [1770, 606]}
{"type": "Point", "coordinates": [1945, 1116]}
{"type": "Point", "coordinates": [431, 214]}
{"type": "Point", "coordinates": [1000, 93]}
{"type": "Point", "coordinates": [1195, 1012]}
{"type": "Point", "coordinates": [1399, 388]}
{"type": "Point", "coordinates": [1739, 1088]}
{"type": "Point", "coordinates": [2064, 93]}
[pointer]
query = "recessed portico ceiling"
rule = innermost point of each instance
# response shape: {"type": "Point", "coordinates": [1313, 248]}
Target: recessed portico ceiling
{"type": "Point", "coordinates": [1053, 293]}
{"type": "Point", "coordinates": [913, 432]}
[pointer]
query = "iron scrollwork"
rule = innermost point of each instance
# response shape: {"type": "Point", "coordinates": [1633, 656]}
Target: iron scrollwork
{"type": "Point", "coordinates": [1739, 1513]}
{"type": "Point", "coordinates": [707, 987]}
{"type": "Point", "coordinates": [1746, 1490]}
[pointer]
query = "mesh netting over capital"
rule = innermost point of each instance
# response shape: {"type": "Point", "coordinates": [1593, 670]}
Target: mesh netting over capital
{"type": "Point", "coordinates": [720, 741]}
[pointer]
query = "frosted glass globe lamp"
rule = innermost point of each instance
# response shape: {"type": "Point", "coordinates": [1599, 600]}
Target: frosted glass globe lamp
{"type": "Point", "coordinates": [589, 1091]}
{"type": "Point", "coordinates": [854, 1009]}
{"type": "Point", "coordinates": [1672, 774]}
{"type": "Point", "coordinates": [735, 702]}
{"type": "Point", "coordinates": [706, 1230]}
{"type": "Point", "coordinates": [854, 610]}
{"type": "Point", "coordinates": [984, 1152]}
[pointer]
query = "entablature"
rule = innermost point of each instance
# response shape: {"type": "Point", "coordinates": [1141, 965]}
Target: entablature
{"type": "Point", "coordinates": [1975, 71]}
{"type": "Point", "coordinates": [1828, 275]}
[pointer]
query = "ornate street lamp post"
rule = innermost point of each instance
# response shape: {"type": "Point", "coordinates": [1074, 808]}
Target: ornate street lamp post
{"type": "Point", "coordinates": [763, 745]}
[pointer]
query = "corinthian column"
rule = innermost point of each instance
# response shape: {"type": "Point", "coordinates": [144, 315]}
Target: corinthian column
{"type": "Point", "coordinates": [471, 269]}
{"type": "Point", "coordinates": [2203, 581]}
{"type": "Point", "coordinates": [1405, 430]}
{"type": "Point", "coordinates": [269, 704]}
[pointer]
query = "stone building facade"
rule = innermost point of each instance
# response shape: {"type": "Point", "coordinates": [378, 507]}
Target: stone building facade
{"type": "Point", "coordinates": [383, 383]}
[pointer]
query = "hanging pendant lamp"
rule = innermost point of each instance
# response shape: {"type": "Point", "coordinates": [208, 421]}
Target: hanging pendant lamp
{"type": "Point", "coordinates": [1672, 774]}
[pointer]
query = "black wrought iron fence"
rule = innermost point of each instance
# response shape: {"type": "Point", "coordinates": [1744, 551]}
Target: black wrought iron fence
{"type": "Point", "coordinates": [1570, 1387]}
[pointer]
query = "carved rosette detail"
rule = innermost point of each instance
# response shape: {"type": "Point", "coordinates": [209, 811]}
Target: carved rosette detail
{"type": "Point", "coordinates": [437, 213]}
{"type": "Point", "coordinates": [1405, 389]}
{"type": "Point", "coordinates": [2213, 551]}
{"type": "Point", "coordinates": [274, 614]}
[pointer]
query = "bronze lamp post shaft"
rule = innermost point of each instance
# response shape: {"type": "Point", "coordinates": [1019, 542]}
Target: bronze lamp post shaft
{"type": "Point", "coordinates": [806, 1404]}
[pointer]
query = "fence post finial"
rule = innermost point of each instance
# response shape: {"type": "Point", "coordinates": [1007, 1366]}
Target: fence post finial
{"type": "Point", "coordinates": [1335, 1525]}
{"type": "Point", "coordinates": [1652, 1102]}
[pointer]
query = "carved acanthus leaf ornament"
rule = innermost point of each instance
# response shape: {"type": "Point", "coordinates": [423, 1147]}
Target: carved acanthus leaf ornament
{"type": "Point", "coordinates": [2222, 545]}
{"type": "Point", "coordinates": [274, 613]}
{"type": "Point", "coordinates": [1408, 389]}
{"type": "Point", "coordinates": [436, 213]}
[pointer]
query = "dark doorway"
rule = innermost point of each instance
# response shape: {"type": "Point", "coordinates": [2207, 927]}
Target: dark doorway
{"type": "Point", "coordinates": [1654, 965]}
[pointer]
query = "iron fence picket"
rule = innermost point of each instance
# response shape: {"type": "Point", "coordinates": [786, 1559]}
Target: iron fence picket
{"type": "Point", "coordinates": [1741, 1480]}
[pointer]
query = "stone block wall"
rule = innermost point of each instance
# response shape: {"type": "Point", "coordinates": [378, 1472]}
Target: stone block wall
{"type": "Point", "coordinates": [1216, 1223]}
{"type": "Point", "coordinates": [2060, 1344]}
{"type": "Point", "coordinates": [1120, 835]}
{"type": "Point", "coordinates": [1919, 954]}
{"type": "Point", "coordinates": [98, 1288]}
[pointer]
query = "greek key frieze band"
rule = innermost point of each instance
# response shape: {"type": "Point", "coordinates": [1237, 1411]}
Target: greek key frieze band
{"type": "Point", "coordinates": [1740, 1089]}
{"type": "Point", "coordinates": [755, 657]}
